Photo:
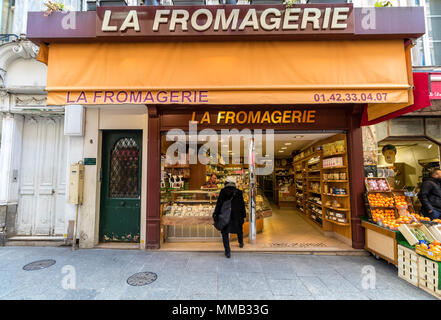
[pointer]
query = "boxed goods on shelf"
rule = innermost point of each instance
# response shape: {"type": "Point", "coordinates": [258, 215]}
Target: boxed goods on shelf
{"type": "Point", "coordinates": [415, 232]}
{"type": "Point", "coordinates": [333, 162]}
{"type": "Point", "coordinates": [334, 176]}
{"type": "Point", "coordinates": [408, 265]}
{"type": "Point", "coordinates": [336, 147]}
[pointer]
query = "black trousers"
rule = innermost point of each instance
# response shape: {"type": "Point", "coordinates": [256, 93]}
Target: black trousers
{"type": "Point", "coordinates": [226, 239]}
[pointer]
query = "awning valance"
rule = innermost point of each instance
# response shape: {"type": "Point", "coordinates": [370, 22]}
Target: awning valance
{"type": "Point", "coordinates": [272, 72]}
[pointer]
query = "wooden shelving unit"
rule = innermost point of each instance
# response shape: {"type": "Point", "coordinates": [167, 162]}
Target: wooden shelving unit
{"type": "Point", "coordinates": [308, 175]}
{"type": "Point", "coordinates": [317, 187]}
{"type": "Point", "coordinates": [284, 172]}
{"type": "Point", "coordinates": [335, 186]}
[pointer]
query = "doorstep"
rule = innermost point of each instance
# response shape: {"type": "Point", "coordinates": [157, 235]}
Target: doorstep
{"type": "Point", "coordinates": [118, 245]}
{"type": "Point", "coordinates": [217, 247]}
{"type": "Point", "coordinates": [43, 241]}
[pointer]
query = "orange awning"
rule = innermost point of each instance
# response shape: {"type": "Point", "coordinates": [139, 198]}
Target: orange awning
{"type": "Point", "coordinates": [273, 72]}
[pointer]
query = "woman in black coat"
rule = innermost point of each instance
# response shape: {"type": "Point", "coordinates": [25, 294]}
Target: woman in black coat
{"type": "Point", "coordinates": [238, 213]}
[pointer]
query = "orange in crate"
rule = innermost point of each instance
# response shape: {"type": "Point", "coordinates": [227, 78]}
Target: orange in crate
{"type": "Point", "coordinates": [377, 200]}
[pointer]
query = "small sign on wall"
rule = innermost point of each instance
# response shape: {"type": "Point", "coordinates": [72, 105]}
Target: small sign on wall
{"type": "Point", "coordinates": [90, 161]}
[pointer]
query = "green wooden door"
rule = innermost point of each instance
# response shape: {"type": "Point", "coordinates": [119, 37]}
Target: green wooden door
{"type": "Point", "coordinates": [121, 186]}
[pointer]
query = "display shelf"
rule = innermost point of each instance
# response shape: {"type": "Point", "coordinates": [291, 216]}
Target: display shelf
{"type": "Point", "coordinates": [335, 195]}
{"type": "Point", "coordinates": [330, 183]}
{"type": "Point", "coordinates": [337, 223]}
{"type": "Point", "coordinates": [333, 155]}
{"type": "Point", "coordinates": [193, 201]}
{"type": "Point", "coordinates": [336, 209]}
{"type": "Point", "coordinates": [335, 186]}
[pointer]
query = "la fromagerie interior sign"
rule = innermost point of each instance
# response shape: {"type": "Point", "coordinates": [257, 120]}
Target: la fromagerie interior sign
{"type": "Point", "coordinates": [225, 20]}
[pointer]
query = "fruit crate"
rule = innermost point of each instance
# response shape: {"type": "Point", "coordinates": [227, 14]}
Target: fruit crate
{"type": "Point", "coordinates": [408, 265]}
{"type": "Point", "coordinates": [404, 194]}
{"type": "Point", "coordinates": [428, 272]}
{"type": "Point", "coordinates": [369, 208]}
{"type": "Point", "coordinates": [383, 181]}
{"type": "Point", "coordinates": [406, 231]}
{"type": "Point", "coordinates": [436, 256]}
{"type": "Point", "coordinates": [436, 231]}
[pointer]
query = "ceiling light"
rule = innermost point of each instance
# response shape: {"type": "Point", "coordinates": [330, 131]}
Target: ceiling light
{"type": "Point", "coordinates": [288, 143]}
{"type": "Point", "coordinates": [281, 151]}
{"type": "Point", "coordinates": [298, 137]}
{"type": "Point", "coordinates": [430, 146]}
{"type": "Point", "coordinates": [284, 148]}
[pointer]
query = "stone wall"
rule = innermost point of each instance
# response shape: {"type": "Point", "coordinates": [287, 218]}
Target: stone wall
{"type": "Point", "coordinates": [8, 214]}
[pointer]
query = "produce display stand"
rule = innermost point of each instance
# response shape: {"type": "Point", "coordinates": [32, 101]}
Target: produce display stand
{"type": "Point", "coordinates": [408, 264]}
{"type": "Point", "coordinates": [383, 207]}
{"type": "Point", "coordinates": [429, 276]}
{"type": "Point", "coordinates": [416, 264]}
{"type": "Point", "coordinates": [419, 271]}
{"type": "Point", "coordinates": [381, 242]}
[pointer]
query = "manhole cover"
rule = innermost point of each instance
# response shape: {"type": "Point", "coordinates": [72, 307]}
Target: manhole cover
{"type": "Point", "coordinates": [38, 265]}
{"type": "Point", "coordinates": [142, 278]}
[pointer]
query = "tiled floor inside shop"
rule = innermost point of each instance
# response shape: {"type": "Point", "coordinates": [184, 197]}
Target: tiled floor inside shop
{"type": "Point", "coordinates": [286, 230]}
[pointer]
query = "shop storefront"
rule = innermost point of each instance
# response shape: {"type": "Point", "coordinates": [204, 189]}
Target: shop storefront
{"type": "Point", "coordinates": [140, 72]}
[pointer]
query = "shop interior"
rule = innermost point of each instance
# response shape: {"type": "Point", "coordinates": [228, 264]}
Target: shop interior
{"type": "Point", "coordinates": [405, 163]}
{"type": "Point", "coordinates": [302, 205]}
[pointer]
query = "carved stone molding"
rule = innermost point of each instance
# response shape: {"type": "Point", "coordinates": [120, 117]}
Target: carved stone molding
{"type": "Point", "coordinates": [12, 51]}
{"type": "Point", "coordinates": [30, 100]}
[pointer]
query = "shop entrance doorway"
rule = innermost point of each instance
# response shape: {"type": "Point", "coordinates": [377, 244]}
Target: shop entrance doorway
{"type": "Point", "coordinates": [121, 186]}
{"type": "Point", "coordinates": [302, 203]}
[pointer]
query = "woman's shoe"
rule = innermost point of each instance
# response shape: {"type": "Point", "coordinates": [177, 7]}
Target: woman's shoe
{"type": "Point", "coordinates": [228, 255]}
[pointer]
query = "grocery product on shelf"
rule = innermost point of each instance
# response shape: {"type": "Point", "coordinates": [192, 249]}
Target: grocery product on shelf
{"type": "Point", "coordinates": [332, 162]}
{"type": "Point", "coordinates": [333, 148]}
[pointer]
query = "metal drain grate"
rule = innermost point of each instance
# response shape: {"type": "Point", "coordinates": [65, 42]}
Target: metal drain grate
{"type": "Point", "coordinates": [142, 278]}
{"type": "Point", "coordinates": [38, 265]}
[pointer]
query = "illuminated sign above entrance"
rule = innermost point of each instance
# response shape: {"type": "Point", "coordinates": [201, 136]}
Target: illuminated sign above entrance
{"type": "Point", "coordinates": [224, 20]}
{"type": "Point", "coordinates": [255, 117]}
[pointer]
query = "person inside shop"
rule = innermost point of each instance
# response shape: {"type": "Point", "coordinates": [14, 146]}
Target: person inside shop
{"type": "Point", "coordinates": [238, 213]}
{"type": "Point", "coordinates": [211, 183]}
{"type": "Point", "coordinates": [430, 195]}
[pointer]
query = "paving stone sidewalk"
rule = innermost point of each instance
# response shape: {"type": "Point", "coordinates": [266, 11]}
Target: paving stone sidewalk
{"type": "Point", "coordinates": [103, 274]}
